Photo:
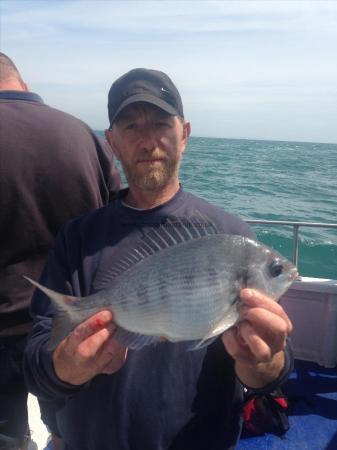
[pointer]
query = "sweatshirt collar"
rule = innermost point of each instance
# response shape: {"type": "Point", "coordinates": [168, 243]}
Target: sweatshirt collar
{"type": "Point", "coordinates": [20, 95]}
{"type": "Point", "coordinates": [130, 215]}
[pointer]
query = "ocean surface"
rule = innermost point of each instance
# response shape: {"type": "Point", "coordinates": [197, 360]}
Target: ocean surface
{"type": "Point", "coordinates": [272, 180]}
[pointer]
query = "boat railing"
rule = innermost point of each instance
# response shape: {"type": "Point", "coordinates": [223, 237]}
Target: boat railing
{"type": "Point", "coordinates": [296, 226]}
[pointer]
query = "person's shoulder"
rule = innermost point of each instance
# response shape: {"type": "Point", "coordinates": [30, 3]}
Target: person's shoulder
{"type": "Point", "coordinates": [66, 117]}
{"type": "Point", "coordinates": [69, 128]}
{"type": "Point", "coordinates": [47, 118]}
{"type": "Point", "coordinates": [223, 220]}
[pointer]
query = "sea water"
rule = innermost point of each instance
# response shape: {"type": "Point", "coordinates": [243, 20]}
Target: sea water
{"type": "Point", "coordinates": [272, 180]}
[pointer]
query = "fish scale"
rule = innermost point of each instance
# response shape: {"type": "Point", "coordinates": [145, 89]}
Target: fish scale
{"type": "Point", "coordinates": [168, 316]}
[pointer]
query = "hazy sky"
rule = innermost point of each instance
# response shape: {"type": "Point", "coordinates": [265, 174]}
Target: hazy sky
{"type": "Point", "coordinates": [245, 69]}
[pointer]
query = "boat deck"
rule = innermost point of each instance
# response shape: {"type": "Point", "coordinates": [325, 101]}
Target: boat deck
{"type": "Point", "coordinates": [312, 395]}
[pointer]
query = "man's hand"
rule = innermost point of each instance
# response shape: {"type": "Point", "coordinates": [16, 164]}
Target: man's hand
{"type": "Point", "coordinates": [257, 342]}
{"type": "Point", "coordinates": [89, 350]}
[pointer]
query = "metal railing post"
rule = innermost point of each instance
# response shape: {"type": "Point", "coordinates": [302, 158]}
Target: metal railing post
{"type": "Point", "coordinates": [295, 226]}
{"type": "Point", "coordinates": [295, 245]}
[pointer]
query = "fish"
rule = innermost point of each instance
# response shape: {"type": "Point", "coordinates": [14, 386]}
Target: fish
{"type": "Point", "coordinates": [180, 282]}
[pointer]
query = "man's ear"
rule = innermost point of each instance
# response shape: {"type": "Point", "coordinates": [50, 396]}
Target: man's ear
{"type": "Point", "coordinates": [187, 130]}
{"type": "Point", "coordinates": [110, 139]}
{"type": "Point", "coordinates": [186, 133]}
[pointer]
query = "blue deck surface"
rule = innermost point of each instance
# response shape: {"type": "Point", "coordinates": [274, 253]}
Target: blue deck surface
{"type": "Point", "coordinates": [312, 395]}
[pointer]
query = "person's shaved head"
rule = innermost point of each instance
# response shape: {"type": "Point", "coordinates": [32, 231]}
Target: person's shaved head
{"type": "Point", "coordinates": [10, 78]}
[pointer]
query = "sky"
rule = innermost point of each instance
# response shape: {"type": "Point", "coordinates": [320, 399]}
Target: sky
{"type": "Point", "coordinates": [245, 69]}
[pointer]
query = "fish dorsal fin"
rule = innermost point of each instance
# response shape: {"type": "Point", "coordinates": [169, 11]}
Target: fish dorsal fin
{"type": "Point", "coordinates": [108, 271]}
{"type": "Point", "coordinates": [174, 231]}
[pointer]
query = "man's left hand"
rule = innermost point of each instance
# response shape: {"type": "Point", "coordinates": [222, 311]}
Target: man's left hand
{"type": "Point", "coordinates": [257, 342]}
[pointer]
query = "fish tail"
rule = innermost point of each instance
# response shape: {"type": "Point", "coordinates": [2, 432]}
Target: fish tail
{"type": "Point", "coordinates": [64, 320]}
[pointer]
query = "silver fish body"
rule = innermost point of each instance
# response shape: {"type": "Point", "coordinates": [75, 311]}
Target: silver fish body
{"type": "Point", "coordinates": [185, 292]}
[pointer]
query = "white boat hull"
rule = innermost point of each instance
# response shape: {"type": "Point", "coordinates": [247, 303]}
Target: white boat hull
{"type": "Point", "coordinates": [311, 304]}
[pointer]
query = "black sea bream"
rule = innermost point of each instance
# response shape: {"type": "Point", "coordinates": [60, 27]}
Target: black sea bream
{"type": "Point", "coordinates": [177, 284]}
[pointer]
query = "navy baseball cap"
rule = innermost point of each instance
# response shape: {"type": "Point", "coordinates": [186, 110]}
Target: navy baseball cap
{"type": "Point", "coordinates": [144, 85]}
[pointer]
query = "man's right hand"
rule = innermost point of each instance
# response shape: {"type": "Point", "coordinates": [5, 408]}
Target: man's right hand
{"type": "Point", "coordinates": [89, 350]}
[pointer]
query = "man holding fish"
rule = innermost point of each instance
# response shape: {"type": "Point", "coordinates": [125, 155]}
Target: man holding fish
{"type": "Point", "coordinates": [162, 306]}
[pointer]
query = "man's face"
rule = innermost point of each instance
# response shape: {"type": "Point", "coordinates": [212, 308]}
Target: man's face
{"type": "Point", "coordinates": [149, 144]}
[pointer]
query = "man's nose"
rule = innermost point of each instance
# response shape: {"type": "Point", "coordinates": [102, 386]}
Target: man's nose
{"type": "Point", "coordinates": [148, 138]}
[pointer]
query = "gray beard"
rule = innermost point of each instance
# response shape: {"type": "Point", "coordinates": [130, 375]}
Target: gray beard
{"type": "Point", "coordinates": [154, 181]}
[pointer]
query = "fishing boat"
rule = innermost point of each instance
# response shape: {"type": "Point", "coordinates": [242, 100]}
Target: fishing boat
{"type": "Point", "coordinates": [311, 304]}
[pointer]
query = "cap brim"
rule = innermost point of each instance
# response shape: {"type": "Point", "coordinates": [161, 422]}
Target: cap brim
{"type": "Point", "coordinates": [146, 98]}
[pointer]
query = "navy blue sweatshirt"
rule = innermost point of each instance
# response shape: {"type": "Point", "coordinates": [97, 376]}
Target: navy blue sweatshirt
{"type": "Point", "coordinates": [164, 397]}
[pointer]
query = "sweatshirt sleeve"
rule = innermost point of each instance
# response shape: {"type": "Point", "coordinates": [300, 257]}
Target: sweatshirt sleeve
{"type": "Point", "coordinates": [39, 371]}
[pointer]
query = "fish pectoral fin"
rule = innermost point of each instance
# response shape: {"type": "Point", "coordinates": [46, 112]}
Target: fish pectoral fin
{"type": "Point", "coordinates": [134, 341]}
{"type": "Point", "coordinates": [227, 320]}
{"type": "Point", "coordinates": [201, 344]}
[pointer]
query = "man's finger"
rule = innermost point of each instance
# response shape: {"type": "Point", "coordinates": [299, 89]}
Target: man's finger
{"type": "Point", "coordinates": [117, 358]}
{"type": "Point", "coordinates": [253, 298]}
{"type": "Point", "coordinates": [88, 327]}
{"type": "Point", "coordinates": [259, 348]}
{"type": "Point", "coordinates": [266, 321]}
{"type": "Point", "coordinates": [236, 347]}
{"type": "Point", "coordinates": [229, 338]}
{"type": "Point", "coordinates": [92, 347]}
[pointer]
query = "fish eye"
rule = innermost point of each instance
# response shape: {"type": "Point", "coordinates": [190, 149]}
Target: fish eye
{"type": "Point", "coordinates": [275, 269]}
